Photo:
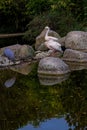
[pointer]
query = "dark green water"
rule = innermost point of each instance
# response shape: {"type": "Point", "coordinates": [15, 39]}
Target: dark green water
{"type": "Point", "coordinates": [28, 105]}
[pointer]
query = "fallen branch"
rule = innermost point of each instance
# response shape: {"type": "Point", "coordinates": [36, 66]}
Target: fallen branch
{"type": "Point", "coordinates": [11, 35]}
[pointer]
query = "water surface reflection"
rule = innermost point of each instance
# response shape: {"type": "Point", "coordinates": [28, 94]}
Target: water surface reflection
{"type": "Point", "coordinates": [52, 79]}
{"type": "Point", "coordinates": [52, 124]}
{"type": "Point", "coordinates": [28, 104]}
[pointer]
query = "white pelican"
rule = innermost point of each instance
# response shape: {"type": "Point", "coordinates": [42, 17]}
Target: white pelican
{"type": "Point", "coordinates": [51, 42]}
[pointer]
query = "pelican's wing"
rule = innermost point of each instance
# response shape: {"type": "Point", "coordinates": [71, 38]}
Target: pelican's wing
{"type": "Point", "coordinates": [53, 38]}
{"type": "Point", "coordinates": [54, 45]}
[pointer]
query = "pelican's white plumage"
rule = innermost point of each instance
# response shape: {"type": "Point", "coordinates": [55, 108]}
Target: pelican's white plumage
{"type": "Point", "coordinates": [49, 37]}
{"type": "Point", "coordinates": [53, 45]}
{"type": "Point", "coordinates": [52, 42]}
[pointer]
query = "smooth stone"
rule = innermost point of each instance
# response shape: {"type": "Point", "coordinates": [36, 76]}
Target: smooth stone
{"type": "Point", "coordinates": [76, 40]}
{"type": "Point", "coordinates": [52, 66]}
{"type": "Point", "coordinates": [74, 56]}
{"type": "Point", "coordinates": [26, 51]}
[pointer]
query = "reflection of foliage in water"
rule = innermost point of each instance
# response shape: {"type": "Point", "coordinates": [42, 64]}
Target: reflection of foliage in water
{"type": "Point", "coordinates": [29, 102]}
{"type": "Point", "coordinates": [74, 99]}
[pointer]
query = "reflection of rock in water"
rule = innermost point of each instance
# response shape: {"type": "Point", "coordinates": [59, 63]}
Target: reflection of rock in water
{"type": "Point", "coordinates": [10, 82]}
{"type": "Point", "coordinates": [52, 66]}
{"type": "Point", "coordinates": [76, 65]}
{"type": "Point", "coordinates": [52, 80]}
{"type": "Point", "coordinates": [24, 68]}
{"type": "Point", "coordinates": [77, 60]}
{"type": "Point", "coordinates": [52, 71]}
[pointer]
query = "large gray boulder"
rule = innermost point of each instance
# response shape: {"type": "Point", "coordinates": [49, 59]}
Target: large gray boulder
{"type": "Point", "coordinates": [39, 45]}
{"type": "Point", "coordinates": [74, 56]}
{"type": "Point", "coordinates": [76, 40]}
{"type": "Point", "coordinates": [52, 66]}
{"type": "Point", "coordinates": [15, 48]}
{"type": "Point", "coordinates": [26, 51]}
{"type": "Point", "coordinates": [20, 52]}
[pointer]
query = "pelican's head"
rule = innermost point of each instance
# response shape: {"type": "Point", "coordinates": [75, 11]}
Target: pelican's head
{"type": "Point", "coordinates": [47, 27]}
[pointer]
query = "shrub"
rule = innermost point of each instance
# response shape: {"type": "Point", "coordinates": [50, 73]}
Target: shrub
{"type": "Point", "coordinates": [60, 21]}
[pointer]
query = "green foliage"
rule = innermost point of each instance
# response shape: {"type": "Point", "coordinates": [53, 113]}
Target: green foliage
{"type": "Point", "coordinates": [59, 20]}
{"type": "Point", "coordinates": [13, 14]}
{"type": "Point", "coordinates": [78, 9]}
{"type": "Point", "coordinates": [61, 15]}
{"type": "Point", "coordinates": [60, 3]}
{"type": "Point", "coordinates": [35, 27]}
{"type": "Point", "coordinates": [38, 6]}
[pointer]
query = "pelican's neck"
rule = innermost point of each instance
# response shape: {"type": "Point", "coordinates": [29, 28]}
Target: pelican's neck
{"type": "Point", "coordinates": [46, 36]}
